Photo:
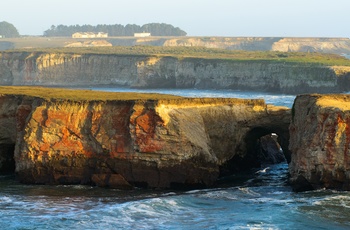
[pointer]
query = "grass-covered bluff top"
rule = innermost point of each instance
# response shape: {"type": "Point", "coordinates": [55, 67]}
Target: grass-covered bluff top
{"type": "Point", "coordinates": [80, 95]}
{"type": "Point", "coordinates": [202, 53]}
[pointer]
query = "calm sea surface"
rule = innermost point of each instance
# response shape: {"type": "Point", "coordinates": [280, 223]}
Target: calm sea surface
{"type": "Point", "coordinates": [259, 199]}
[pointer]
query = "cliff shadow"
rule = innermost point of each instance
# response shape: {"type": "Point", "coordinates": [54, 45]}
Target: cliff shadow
{"type": "Point", "coordinates": [265, 146]}
{"type": "Point", "coordinates": [7, 161]}
{"type": "Point", "coordinates": [260, 146]}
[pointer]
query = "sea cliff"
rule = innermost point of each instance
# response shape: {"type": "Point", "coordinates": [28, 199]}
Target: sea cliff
{"type": "Point", "coordinates": [118, 140]}
{"type": "Point", "coordinates": [319, 142]}
{"type": "Point", "coordinates": [290, 44]}
{"type": "Point", "coordinates": [123, 143]}
{"type": "Point", "coordinates": [154, 71]}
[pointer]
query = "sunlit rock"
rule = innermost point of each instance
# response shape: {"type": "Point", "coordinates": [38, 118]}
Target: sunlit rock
{"type": "Point", "coordinates": [320, 142]}
{"type": "Point", "coordinates": [146, 143]}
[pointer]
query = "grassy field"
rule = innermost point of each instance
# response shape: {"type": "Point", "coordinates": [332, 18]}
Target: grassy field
{"type": "Point", "coordinates": [44, 42]}
{"type": "Point", "coordinates": [203, 53]}
{"type": "Point", "coordinates": [79, 95]}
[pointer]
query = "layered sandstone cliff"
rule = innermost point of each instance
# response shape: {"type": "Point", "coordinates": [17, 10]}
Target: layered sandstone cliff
{"type": "Point", "coordinates": [291, 44]}
{"type": "Point", "coordinates": [65, 69]}
{"type": "Point", "coordinates": [126, 143]}
{"type": "Point", "coordinates": [320, 141]}
{"type": "Point", "coordinates": [322, 45]}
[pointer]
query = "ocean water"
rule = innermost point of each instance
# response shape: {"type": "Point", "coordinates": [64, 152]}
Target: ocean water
{"type": "Point", "coordinates": [258, 199]}
{"type": "Point", "coordinates": [276, 99]}
{"type": "Point", "coordinates": [346, 55]}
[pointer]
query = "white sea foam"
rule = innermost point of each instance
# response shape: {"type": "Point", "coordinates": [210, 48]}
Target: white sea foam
{"type": "Point", "coordinates": [260, 226]}
{"type": "Point", "coordinates": [221, 194]}
{"type": "Point", "coordinates": [338, 200]}
{"type": "Point", "coordinates": [193, 191]}
{"type": "Point", "coordinates": [265, 206]}
{"type": "Point", "coordinates": [338, 197]}
{"type": "Point", "coordinates": [5, 199]}
{"type": "Point", "coordinates": [248, 191]}
{"type": "Point", "coordinates": [169, 194]}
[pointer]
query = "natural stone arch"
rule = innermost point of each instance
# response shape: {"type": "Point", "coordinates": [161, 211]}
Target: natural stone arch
{"type": "Point", "coordinates": [184, 141]}
{"type": "Point", "coordinates": [248, 153]}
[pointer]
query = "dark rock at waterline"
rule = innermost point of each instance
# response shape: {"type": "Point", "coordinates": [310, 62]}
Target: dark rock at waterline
{"type": "Point", "coordinates": [270, 150]}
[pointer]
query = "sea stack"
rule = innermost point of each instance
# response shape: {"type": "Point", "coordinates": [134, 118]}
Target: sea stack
{"type": "Point", "coordinates": [320, 142]}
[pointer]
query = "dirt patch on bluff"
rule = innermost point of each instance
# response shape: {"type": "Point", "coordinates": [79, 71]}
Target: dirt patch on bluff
{"type": "Point", "coordinates": [90, 43]}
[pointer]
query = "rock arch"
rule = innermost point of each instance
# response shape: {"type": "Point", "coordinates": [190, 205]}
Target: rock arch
{"type": "Point", "coordinates": [233, 133]}
{"type": "Point", "coordinates": [183, 141]}
{"type": "Point", "coordinates": [263, 146]}
{"type": "Point", "coordinates": [251, 150]}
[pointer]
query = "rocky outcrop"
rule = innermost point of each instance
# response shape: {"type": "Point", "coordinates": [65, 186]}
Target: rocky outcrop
{"type": "Point", "coordinates": [321, 45]}
{"type": "Point", "coordinates": [66, 69]}
{"type": "Point", "coordinates": [8, 123]}
{"type": "Point", "coordinates": [147, 143]}
{"type": "Point", "coordinates": [270, 150]}
{"type": "Point", "coordinates": [320, 140]}
{"type": "Point", "coordinates": [91, 43]}
{"type": "Point", "coordinates": [295, 44]}
{"type": "Point", "coordinates": [5, 75]}
{"type": "Point", "coordinates": [230, 43]}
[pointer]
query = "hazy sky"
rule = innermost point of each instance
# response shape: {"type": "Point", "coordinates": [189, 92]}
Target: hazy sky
{"type": "Point", "coordinates": [292, 18]}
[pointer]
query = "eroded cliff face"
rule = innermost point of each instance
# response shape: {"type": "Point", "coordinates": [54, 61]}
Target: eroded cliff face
{"type": "Point", "coordinates": [167, 72]}
{"type": "Point", "coordinates": [6, 77]}
{"type": "Point", "coordinates": [320, 140]}
{"type": "Point", "coordinates": [295, 44]}
{"type": "Point", "coordinates": [8, 123]}
{"type": "Point", "coordinates": [322, 45]}
{"type": "Point", "coordinates": [122, 144]}
{"type": "Point", "coordinates": [235, 43]}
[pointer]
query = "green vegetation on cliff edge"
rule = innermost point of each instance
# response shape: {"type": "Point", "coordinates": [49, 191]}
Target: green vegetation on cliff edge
{"type": "Point", "coordinates": [202, 53]}
{"type": "Point", "coordinates": [79, 95]}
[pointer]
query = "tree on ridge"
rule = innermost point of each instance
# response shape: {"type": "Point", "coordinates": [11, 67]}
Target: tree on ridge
{"type": "Point", "coordinates": [8, 30]}
{"type": "Point", "coordinates": [156, 29]}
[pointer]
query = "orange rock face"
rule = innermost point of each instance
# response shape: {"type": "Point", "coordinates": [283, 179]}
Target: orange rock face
{"type": "Point", "coordinates": [146, 143]}
{"type": "Point", "coordinates": [145, 124]}
{"type": "Point", "coordinates": [69, 142]}
{"type": "Point", "coordinates": [320, 142]}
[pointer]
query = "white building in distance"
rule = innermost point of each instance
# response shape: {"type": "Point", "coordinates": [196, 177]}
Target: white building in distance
{"type": "Point", "coordinates": [142, 35]}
